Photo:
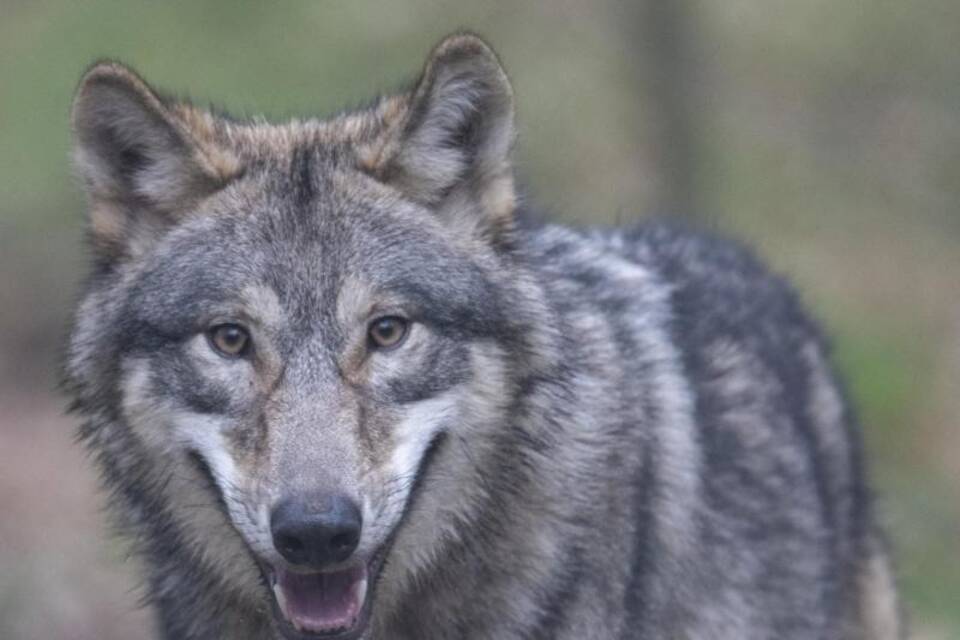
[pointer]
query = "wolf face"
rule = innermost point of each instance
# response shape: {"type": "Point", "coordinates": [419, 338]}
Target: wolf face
{"type": "Point", "coordinates": [286, 321]}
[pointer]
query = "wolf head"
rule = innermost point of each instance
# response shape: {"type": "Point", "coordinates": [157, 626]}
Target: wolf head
{"type": "Point", "coordinates": [287, 325]}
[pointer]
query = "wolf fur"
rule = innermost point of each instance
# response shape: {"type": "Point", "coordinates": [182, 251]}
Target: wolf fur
{"type": "Point", "coordinates": [629, 433]}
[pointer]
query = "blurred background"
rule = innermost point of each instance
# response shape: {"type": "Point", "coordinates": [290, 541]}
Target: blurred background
{"type": "Point", "coordinates": [827, 133]}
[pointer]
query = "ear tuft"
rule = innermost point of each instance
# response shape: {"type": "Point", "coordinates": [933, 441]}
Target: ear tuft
{"type": "Point", "coordinates": [137, 158]}
{"type": "Point", "coordinates": [452, 147]}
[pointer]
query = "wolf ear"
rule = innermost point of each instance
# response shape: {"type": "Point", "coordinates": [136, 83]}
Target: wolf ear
{"type": "Point", "coordinates": [141, 165]}
{"type": "Point", "coordinates": [450, 149]}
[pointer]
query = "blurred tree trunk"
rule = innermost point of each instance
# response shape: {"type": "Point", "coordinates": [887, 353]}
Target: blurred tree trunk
{"type": "Point", "coordinates": [661, 33]}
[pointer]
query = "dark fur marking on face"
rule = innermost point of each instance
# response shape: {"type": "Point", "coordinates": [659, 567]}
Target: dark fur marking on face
{"type": "Point", "coordinates": [445, 366]}
{"type": "Point", "coordinates": [171, 372]}
{"type": "Point", "coordinates": [176, 376]}
{"type": "Point", "coordinates": [303, 192]}
{"type": "Point", "coordinates": [453, 307]}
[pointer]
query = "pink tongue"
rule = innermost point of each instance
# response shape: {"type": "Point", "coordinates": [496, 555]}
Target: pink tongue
{"type": "Point", "coordinates": [321, 601]}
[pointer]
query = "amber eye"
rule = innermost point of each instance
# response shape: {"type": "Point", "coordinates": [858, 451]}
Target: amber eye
{"type": "Point", "coordinates": [387, 332]}
{"type": "Point", "coordinates": [229, 339]}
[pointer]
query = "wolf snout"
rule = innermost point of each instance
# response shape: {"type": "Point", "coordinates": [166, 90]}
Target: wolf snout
{"type": "Point", "coordinates": [316, 533]}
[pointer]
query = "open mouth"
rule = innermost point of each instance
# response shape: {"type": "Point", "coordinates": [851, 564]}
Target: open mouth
{"type": "Point", "coordinates": [333, 605]}
{"type": "Point", "coordinates": [321, 604]}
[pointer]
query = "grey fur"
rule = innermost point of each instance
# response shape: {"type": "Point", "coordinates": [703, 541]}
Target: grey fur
{"type": "Point", "coordinates": [586, 434]}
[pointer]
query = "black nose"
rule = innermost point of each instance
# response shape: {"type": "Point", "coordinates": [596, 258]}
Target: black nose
{"type": "Point", "coordinates": [316, 533]}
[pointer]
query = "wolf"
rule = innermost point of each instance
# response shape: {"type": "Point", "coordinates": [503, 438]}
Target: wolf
{"type": "Point", "coordinates": [340, 385]}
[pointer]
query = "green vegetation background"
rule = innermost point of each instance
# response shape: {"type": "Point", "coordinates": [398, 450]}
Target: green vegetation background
{"type": "Point", "coordinates": [826, 133]}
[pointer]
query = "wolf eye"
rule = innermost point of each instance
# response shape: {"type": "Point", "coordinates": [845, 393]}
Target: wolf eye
{"type": "Point", "coordinates": [387, 332]}
{"type": "Point", "coordinates": [229, 339]}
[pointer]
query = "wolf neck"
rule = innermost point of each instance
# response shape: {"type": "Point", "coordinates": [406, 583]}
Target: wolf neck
{"type": "Point", "coordinates": [527, 492]}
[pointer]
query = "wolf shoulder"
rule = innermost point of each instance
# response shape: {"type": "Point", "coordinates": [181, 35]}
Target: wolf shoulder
{"type": "Point", "coordinates": [781, 497]}
{"type": "Point", "coordinates": [757, 364]}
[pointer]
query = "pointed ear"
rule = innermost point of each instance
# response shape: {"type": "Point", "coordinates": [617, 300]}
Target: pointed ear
{"type": "Point", "coordinates": [141, 164]}
{"type": "Point", "coordinates": [450, 150]}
